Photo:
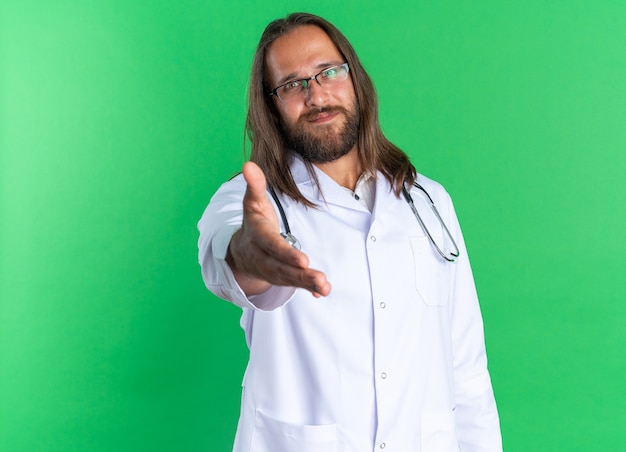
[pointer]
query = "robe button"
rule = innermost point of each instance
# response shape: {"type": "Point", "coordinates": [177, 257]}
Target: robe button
{"type": "Point", "coordinates": [373, 238]}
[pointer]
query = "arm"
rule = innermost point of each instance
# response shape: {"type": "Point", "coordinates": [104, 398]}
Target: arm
{"type": "Point", "coordinates": [478, 426]}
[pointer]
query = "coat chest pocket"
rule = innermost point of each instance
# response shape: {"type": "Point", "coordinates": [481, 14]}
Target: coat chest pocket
{"type": "Point", "coordinates": [431, 276]}
{"type": "Point", "coordinates": [273, 435]}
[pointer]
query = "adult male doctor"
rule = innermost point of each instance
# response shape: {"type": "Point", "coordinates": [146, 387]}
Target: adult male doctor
{"type": "Point", "coordinates": [365, 333]}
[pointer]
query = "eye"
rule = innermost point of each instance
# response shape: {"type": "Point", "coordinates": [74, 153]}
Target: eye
{"type": "Point", "coordinates": [292, 86]}
{"type": "Point", "coordinates": [330, 72]}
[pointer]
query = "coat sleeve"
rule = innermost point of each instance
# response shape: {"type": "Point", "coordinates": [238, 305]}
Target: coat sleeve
{"type": "Point", "coordinates": [478, 426]}
{"type": "Point", "coordinates": [220, 220]}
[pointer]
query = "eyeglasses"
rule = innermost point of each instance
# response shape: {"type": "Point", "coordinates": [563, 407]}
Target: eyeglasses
{"type": "Point", "coordinates": [295, 88]}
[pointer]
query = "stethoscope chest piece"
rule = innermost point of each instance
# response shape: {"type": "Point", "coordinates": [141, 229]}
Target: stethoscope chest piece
{"type": "Point", "coordinates": [287, 235]}
{"type": "Point", "coordinates": [292, 240]}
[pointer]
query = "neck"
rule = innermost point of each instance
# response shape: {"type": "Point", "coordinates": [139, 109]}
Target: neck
{"type": "Point", "coordinates": [345, 170]}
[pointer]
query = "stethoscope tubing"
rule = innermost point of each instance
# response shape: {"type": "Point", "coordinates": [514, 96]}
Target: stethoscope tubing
{"type": "Point", "coordinates": [449, 256]}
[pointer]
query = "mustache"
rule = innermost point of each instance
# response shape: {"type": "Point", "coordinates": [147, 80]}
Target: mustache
{"type": "Point", "coordinates": [311, 115]}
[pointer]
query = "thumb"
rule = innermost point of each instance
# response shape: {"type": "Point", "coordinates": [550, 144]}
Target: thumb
{"type": "Point", "coordinates": [256, 181]}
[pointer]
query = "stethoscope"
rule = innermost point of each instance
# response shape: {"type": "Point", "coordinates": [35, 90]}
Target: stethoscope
{"type": "Point", "coordinates": [448, 255]}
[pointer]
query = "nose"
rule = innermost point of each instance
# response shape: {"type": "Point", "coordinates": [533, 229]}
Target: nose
{"type": "Point", "coordinates": [315, 94]}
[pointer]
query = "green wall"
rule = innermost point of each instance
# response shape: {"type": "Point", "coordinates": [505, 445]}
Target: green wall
{"type": "Point", "coordinates": [119, 119]}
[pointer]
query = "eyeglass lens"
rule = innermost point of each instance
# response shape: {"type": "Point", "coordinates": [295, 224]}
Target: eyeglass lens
{"type": "Point", "coordinates": [327, 77]}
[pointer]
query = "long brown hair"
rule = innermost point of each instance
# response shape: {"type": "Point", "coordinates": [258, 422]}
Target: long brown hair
{"type": "Point", "coordinates": [263, 129]}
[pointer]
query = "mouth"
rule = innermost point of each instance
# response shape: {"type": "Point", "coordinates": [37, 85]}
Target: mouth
{"type": "Point", "coordinates": [322, 116]}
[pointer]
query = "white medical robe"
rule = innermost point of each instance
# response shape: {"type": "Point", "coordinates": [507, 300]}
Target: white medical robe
{"type": "Point", "coordinates": [393, 360]}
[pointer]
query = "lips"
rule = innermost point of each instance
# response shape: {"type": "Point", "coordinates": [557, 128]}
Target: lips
{"type": "Point", "coordinates": [323, 115]}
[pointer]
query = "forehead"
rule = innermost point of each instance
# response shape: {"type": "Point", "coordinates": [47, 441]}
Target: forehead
{"type": "Point", "coordinates": [300, 52]}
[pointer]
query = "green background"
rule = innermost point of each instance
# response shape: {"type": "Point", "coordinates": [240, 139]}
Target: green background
{"type": "Point", "coordinates": [119, 119]}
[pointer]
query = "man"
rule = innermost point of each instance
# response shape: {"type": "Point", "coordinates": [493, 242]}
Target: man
{"type": "Point", "coordinates": [362, 319]}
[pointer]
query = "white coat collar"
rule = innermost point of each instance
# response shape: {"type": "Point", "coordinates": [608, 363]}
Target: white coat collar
{"type": "Point", "coordinates": [333, 192]}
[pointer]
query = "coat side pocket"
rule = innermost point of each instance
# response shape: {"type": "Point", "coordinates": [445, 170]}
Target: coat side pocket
{"type": "Point", "coordinates": [274, 435]}
{"type": "Point", "coordinates": [438, 432]}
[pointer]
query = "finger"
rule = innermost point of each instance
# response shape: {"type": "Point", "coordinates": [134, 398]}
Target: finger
{"type": "Point", "coordinates": [323, 289]}
{"type": "Point", "coordinates": [285, 252]}
{"type": "Point", "coordinates": [258, 211]}
{"type": "Point", "coordinates": [279, 273]}
{"type": "Point", "coordinates": [257, 184]}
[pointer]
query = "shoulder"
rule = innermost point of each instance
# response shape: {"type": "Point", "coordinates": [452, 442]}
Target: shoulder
{"type": "Point", "coordinates": [226, 201]}
{"type": "Point", "coordinates": [235, 186]}
{"type": "Point", "coordinates": [435, 190]}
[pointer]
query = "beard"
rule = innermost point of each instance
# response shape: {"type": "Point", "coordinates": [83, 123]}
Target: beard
{"type": "Point", "coordinates": [323, 143]}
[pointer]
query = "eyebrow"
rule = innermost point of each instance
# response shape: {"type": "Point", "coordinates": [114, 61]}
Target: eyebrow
{"type": "Point", "coordinates": [296, 76]}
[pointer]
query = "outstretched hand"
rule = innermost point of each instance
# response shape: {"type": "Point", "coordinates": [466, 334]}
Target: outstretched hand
{"type": "Point", "coordinates": [258, 255]}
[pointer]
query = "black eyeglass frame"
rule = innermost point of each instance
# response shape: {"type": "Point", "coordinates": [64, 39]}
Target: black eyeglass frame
{"type": "Point", "coordinates": [304, 82]}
